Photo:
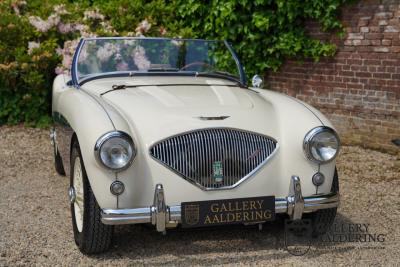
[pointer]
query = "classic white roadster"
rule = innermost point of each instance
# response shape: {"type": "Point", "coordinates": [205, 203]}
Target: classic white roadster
{"type": "Point", "coordinates": [167, 132]}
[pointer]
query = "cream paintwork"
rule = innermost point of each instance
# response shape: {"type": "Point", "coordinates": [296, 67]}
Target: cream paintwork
{"type": "Point", "coordinates": [152, 113]}
{"type": "Point", "coordinates": [89, 121]}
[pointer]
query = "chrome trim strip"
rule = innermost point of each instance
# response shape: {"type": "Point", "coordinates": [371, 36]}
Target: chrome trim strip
{"type": "Point", "coordinates": [237, 148]}
{"type": "Point", "coordinates": [74, 66]}
{"type": "Point", "coordinates": [126, 216]}
{"type": "Point", "coordinates": [239, 65]}
{"type": "Point", "coordinates": [143, 215]}
{"type": "Point", "coordinates": [152, 38]}
{"type": "Point", "coordinates": [216, 118]}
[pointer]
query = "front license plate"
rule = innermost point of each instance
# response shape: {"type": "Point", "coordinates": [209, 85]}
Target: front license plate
{"type": "Point", "coordinates": [227, 211]}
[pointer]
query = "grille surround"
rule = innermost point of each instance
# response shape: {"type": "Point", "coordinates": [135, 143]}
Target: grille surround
{"type": "Point", "coordinates": [157, 152]}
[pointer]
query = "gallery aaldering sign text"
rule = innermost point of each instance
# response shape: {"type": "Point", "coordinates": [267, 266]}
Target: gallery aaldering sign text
{"type": "Point", "coordinates": [352, 232]}
{"type": "Point", "coordinates": [229, 211]}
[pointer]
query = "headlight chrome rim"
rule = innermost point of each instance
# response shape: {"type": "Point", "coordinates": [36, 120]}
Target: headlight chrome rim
{"type": "Point", "coordinates": [104, 138]}
{"type": "Point", "coordinates": [308, 140]}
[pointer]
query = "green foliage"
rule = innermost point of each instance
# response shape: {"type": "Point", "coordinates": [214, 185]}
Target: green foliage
{"type": "Point", "coordinates": [263, 32]}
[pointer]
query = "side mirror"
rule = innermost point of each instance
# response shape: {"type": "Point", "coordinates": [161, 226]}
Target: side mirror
{"type": "Point", "coordinates": [257, 81]}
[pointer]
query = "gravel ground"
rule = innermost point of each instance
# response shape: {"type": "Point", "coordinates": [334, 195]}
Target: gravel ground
{"type": "Point", "coordinates": [35, 222]}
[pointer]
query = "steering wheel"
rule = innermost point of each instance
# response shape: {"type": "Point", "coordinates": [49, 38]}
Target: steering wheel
{"type": "Point", "coordinates": [196, 63]}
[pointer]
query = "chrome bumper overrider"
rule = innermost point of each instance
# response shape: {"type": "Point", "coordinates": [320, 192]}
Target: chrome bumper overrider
{"type": "Point", "coordinates": [163, 216]}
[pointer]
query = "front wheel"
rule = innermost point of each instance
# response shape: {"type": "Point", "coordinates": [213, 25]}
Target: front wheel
{"type": "Point", "coordinates": [91, 235]}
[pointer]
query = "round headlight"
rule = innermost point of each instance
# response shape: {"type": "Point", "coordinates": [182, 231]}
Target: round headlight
{"type": "Point", "coordinates": [115, 150]}
{"type": "Point", "coordinates": [321, 144]}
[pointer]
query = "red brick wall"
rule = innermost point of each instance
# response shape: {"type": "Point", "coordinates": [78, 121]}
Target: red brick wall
{"type": "Point", "coordinates": [358, 89]}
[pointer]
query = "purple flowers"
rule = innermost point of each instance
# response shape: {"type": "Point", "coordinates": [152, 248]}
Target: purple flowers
{"type": "Point", "coordinates": [140, 59]}
{"type": "Point", "coordinates": [32, 46]}
{"type": "Point", "coordinates": [122, 66]}
{"type": "Point", "coordinates": [40, 24]}
{"type": "Point", "coordinates": [105, 52]}
{"type": "Point", "coordinates": [61, 10]}
{"type": "Point", "coordinates": [65, 28]}
{"type": "Point", "coordinates": [16, 5]}
{"type": "Point", "coordinates": [92, 22]}
{"type": "Point", "coordinates": [67, 53]}
{"type": "Point", "coordinates": [93, 14]}
{"type": "Point", "coordinates": [143, 28]}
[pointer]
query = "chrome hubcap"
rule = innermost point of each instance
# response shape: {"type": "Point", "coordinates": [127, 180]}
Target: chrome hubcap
{"type": "Point", "coordinates": [71, 194]}
{"type": "Point", "coordinates": [78, 194]}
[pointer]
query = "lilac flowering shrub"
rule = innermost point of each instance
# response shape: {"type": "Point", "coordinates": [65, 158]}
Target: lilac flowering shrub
{"type": "Point", "coordinates": [38, 38]}
{"type": "Point", "coordinates": [37, 42]}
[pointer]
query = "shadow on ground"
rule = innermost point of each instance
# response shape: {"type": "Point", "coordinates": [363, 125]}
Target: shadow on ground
{"type": "Point", "coordinates": [186, 246]}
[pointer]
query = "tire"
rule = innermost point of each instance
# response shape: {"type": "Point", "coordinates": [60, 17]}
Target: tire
{"type": "Point", "coordinates": [323, 219]}
{"type": "Point", "coordinates": [91, 235]}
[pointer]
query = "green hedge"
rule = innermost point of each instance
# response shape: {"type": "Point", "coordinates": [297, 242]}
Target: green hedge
{"type": "Point", "coordinates": [37, 37]}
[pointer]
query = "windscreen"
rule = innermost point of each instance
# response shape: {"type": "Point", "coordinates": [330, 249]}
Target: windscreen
{"type": "Point", "coordinates": [108, 55]}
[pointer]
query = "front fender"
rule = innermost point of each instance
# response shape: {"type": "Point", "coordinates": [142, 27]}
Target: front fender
{"type": "Point", "coordinates": [296, 119]}
{"type": "Point", "coordinates": [83, 115]}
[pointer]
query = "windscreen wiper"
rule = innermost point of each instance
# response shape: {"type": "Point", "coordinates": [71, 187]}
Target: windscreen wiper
{"type": "Point", "coordinates": [123, 86]}
{"type": "Point", "coordinates": [219, 74]}
{"type": "Point", "coordinates": [114, 88]}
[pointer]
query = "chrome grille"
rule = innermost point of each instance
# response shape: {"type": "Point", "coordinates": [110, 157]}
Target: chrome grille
{"type": "Point", "coordinates": [194, 155]}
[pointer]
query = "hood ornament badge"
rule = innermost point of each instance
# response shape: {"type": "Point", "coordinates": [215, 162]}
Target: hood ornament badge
{"type": "Point", "coordinates": [213, 118]}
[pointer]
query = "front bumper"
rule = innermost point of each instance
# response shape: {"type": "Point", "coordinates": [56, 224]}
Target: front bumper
{"type": "Point", "coordinates": [163, 216]}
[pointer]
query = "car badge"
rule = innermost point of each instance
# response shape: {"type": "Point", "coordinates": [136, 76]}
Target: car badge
{"type": "Point", "coordinates": [218, 175]}
{"type": "Point", "coordinates": [203, 118]}
{"type": "Point", "coordinates": [192, 214]}
{"type": "Point", "coordinates": [255, 154]}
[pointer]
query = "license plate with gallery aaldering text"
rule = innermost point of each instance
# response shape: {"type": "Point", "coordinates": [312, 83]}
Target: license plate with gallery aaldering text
{"type": "Point", "coordinates": [227, 211]}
